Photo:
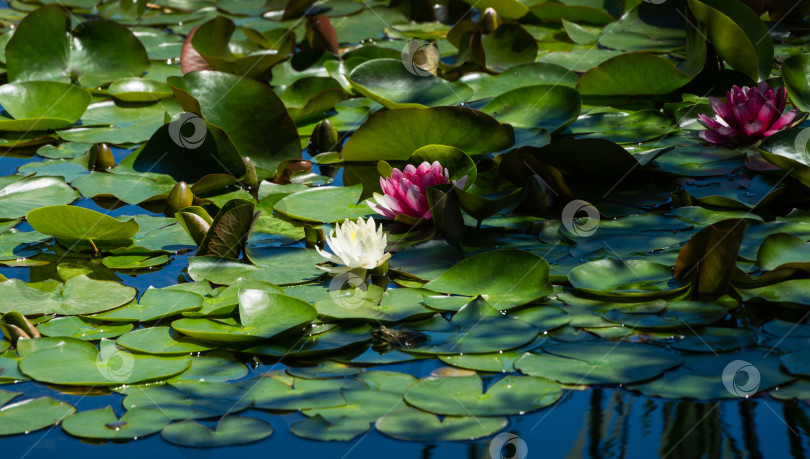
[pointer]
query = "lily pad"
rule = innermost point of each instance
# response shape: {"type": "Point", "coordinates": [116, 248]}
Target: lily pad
{"type": "Point", "coordinates": [396, 134]}
{"type": "Point", "coordinates": [41, 105]}
{"type": "Point", "coordinates": [18, 197]}
{"type": "Point", "coordinates": [277, 391]}
{"type": "Point", "coordinates": [465, 395]}
{"type": "Point", "coordinates": [230, 430]}
{"type": "Point", "coordinates": [188, 400]}
{"type": "Point", "coordinates": [104, 424]}
{"type": "Point", "coordinates": [598, 362]}
{"type": "Point", "coordinates": [543, 106]}
{"type": "Point", "coordinates": [73, 222]}
{"type": "Point", "coordinates": [79, 295]}
{"type": "Point", "coordinates": [414, 425]}
{"type": "Point", "coordinates": [637, 279]}
{"type": "Point", "coordinates": [79, 363]}
{"type": "Point", "coordinates": [154, 304]}
{"type": "Point", "coordinates": [33, 414]}
{"type": "Point", "coordinates": [507, 278]}
{"type": "Point", "coordinates": [324, 204]}
{"type": "Point", "coordinates": [76, 327]}
{"type": "Point", "coordinates": [389, 83]}
{"type": "Point", "coordinates": [160, 341]}
{"type": "Point", "coordinates": [318, 428]}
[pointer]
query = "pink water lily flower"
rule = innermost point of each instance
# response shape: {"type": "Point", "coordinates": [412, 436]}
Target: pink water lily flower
{"type": "Point", "coordinates": [748, 115]}
{"type": "Point", "coordinates": [405, 192]}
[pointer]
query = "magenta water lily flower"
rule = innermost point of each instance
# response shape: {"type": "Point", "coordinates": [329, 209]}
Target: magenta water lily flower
{"type": "Point", "coordinates": [405, 192]}
{"type": "Point", "coordinates": [748, 115]}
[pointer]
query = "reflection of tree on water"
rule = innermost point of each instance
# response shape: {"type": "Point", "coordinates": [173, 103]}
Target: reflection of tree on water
{"type": "Point", "coordinates": [619, 424]}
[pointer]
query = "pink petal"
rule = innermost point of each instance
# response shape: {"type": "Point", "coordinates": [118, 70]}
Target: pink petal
{"type": "Point", "coordinates": [714, 137]}
{"type": "Point", "coordinates": [783, 121]}
{"type": "Point", "coordinates": [754, 127]}
{"type": "Point", "coordinates": [708, 122]}
{"type": "Point", "coordinates": [719, 107]}
{"type": "Point", "coordinates": [766, 113]}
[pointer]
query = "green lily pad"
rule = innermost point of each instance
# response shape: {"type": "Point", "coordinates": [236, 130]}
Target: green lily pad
{"type": "Point", "coordinates": [33, 414]}
{"type": "Point", "coordinates": [139, 90]}
{"type": "Point", "coordinates": [637, 279]}
{"type": "Point", "coordinates": [783, 250]}
{"type": "Point", "coordinates": [716, 339]}
{"type": "Point", "coordinates": [678, 314]}
{"type": "Point", "coordinates": [324, 204]}
{"type": "Point", "coordinates": [230, 430]}
{"type": "Point", "coordinates": [361, 404]}
{"type": "Point", "coordinates": [598, 362]}
{"type": "Point", "coordinates": [96, 52]}
{"type": "Point", "coordinates": [486, 86]}
{"type": "Point", "coordinates": [389, 83]}
{"type": "Point", "coordinates": [477, 328]}
{"type": "Point", "coordinates": [794, 70]}
{"type": "Point", "coordinates": [73, 222]}
{"type": "Point", "coordinates": [507, 278]}
{"type": "Point", "coordinates": [79, 295]}
{"type": "Point", "coordinates": [315, 344]}
{"type": "Point", "coordinates": [217, 366]}
{"type": "Point", "coordinates": [76, 327]}
{"type": "Point", "coordinates": [791, 292]}
{"type": "Point", "coordinates": [131, 189]}
{"type": "Point", "coordinates": [154, 304]}
{"type": "Point", "coordinates": [278, 391]}
{"type": "Point", "coordinates": [318, 428]}
{"type": "Point", "coordinates": [252, 116]}
{"type": "Point", "coordinates": [188, 400]}
{"type": "Point", "coordinates": [729, 375]}
{"type": "Point", "coordinates": [262, 314]}
{"type": "Point", "coordinates": [18, 197]}
{"type": "Point", "coordinates": [79, 363]}
{"type": "Point", "coordinates": [414, 425]}
{"type": "Point", "coordinates": [104, 424]}
{"type": "Point", "coordinates": [41, 105]}
{"type": "Point", "coordinates": [543, 106]}
{"type": "Point", "coordinates": [465, 395]}
{"type": "Point", "coordinates": [159, 341]}
{"type": "Point", "coordinates": [366, 303]}
{"type": "Point", "coordinates": [396, 134]}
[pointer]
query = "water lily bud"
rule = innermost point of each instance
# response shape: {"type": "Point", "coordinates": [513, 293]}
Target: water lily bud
{"type": "Point", "coordinates": [179, 198]}
{"type": "Point", "coordinates": [16, 326]}
{"type": "Point", "coordinates": [321, 34]}
{"type": "Point", "coordinates": [251, 178]}
{"type": "Point", "coordinates": [324, 137]}
{"type": "Point", "coordinates": [103, 157]}
{"type": "Point", "coordinates": [314, 237]}
{"type": "Point", "coordinates": [490, 20]}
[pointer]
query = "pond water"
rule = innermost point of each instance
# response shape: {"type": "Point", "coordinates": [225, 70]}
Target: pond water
{"type": "Point", "coordinates": [595, 422]}
{"type": "Point", "coordinates": [607, 276]}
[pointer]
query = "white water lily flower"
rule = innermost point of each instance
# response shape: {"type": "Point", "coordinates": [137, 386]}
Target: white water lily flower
{"type": "Point", "coordinates": [355, 245]}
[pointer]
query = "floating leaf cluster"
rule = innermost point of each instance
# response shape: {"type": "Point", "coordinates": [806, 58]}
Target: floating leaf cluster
{"type": "Point", "coordinates": [554, 218]}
